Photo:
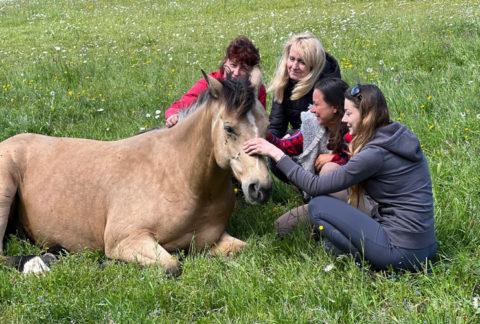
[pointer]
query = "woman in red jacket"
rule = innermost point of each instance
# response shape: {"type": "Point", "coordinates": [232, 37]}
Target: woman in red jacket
{"type": "Point", "coordinates": [241, 56]}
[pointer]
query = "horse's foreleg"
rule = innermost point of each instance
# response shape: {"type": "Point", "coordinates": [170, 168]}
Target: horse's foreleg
{"type": "Point", "coordinates": [145, 250]}
{"type": "Point", "coordinates": [8, 189]}
{"type": "Point", "coordinates": [227, 245]}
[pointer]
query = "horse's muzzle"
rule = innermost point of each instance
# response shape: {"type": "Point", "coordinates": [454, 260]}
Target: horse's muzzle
{"type": "Point", "coordinates": [257, 193]}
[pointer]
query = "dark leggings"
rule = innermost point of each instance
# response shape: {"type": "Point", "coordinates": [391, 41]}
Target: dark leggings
{"type": "Point", "coordinates": [349, 231]}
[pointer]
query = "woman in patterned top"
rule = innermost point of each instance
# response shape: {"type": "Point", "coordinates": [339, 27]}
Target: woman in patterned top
{"type": "Point", "coordinates": [321, 144]}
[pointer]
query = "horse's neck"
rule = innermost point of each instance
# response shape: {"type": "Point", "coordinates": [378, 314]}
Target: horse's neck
{"type": "Point", "coordinates": [193, 136]}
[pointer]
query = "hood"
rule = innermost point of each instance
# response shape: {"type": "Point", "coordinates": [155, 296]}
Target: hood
{"type": "Point", "coordinates": [399, 140]}
{"type": "Point", "coordinates": [331, 68]}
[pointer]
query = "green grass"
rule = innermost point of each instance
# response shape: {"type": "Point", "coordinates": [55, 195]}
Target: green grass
{"type": "Point", "coordinates": [102, 70]}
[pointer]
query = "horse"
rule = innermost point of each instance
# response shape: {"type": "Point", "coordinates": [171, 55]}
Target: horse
{"type": "Point", "coordinates": [140, 198]}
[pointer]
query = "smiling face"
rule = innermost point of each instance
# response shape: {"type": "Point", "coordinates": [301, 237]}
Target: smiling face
{"type": "Point", "coordinates": [296, 66]}
{"type": "Point", "coordinates": [351, 117]}
{"type": "Point", "coordinates": [326, 114]}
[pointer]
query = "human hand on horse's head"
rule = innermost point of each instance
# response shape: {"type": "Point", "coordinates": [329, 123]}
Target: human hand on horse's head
{"type": "Point", "coordinates": [261, 146]}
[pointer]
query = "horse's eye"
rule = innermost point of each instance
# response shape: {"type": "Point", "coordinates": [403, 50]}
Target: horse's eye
{"type": "Point", "coordinates": [229, 130]}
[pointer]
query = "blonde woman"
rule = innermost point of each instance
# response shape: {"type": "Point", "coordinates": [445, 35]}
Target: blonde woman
{"type": "Point", "coordinates": [304, 62]}
{"type": "Point", "coordinates": [388, 164]}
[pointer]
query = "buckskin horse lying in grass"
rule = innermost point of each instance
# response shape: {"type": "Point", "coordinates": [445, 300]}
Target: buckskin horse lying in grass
{"type": "Point", "coordinates": [138, 198]}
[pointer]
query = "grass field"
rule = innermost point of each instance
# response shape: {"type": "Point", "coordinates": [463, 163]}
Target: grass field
{"type": "Point", "coordinates": [108, 69]}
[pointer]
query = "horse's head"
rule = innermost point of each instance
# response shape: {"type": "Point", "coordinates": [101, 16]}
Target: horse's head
{"type": "Point", "coordinates": [239, 117]}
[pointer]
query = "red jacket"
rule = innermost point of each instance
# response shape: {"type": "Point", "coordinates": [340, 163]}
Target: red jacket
{"type": "Point", "coordinates": [192, 95]}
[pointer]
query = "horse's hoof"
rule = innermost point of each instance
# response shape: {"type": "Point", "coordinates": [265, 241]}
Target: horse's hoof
{"type": "Point", "coordinates": [174, 272]}
{"type": "Point", "coordinates": [33, 264]}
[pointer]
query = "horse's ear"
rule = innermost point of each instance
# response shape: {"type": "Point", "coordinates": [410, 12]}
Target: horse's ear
{"type": "Point", "coordinates": [214, 86]}
{"type": "Point", "coordinates": [256, 79]}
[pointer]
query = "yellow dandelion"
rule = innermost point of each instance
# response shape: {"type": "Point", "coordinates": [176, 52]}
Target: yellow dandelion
{"type": "Point", "coordinates": [173, 70]}
{"type": "Point", "coordinates": [320, 227]}
{"type": "Point", "coordinates": [429, 97]}
{"type": "Point", "coordinates": [467, 129]}
{"type": "Point", "coordinates": [431, 126]}
{"type": "Point", "coordinates": [422, 106]}
{"type": "Point", "coordinates": [410, 98]}
{"type": "Point", "coordinates": [70, 93]}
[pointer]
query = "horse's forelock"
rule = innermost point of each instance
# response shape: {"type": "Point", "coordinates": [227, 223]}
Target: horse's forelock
{"type": "Point", "coordinates": [239, 95]}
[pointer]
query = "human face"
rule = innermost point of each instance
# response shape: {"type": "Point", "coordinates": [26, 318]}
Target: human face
{"type": "Point", "coordinates": [296, 66]}
{"type": "Point", "coordinates": [351, 117]}
{"type": "Point", "coordinates": [324, 112]}
{"type": "Point", "coordinates": [237, 70]}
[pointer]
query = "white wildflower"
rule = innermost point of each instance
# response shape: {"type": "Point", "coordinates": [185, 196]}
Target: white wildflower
{"type": "Point", "coordinates": [470, 82]}
{"type": "Point", "coordinates": [100, 110]}
{"type": "Point", "coordinates": [328, 268]}
{"type": "Point", "coordinates": [158, 112]}
{"type": "Point", "coordinates": [58, 48]}
{"type": "Point", "coordinates": [381, 62]}
{"type": "Point", "coordinates": [369, 70]}
{"type": "Point", "coordinates": [475, 302]}
{"type": "Point", "coordinates": [462, 114]}
{"type": "Point", "coordinates": [478, 116]}
{"type": "Point", "coordinates": [147, 115]}
{"type": "Point", "coordinates": [52, 93]}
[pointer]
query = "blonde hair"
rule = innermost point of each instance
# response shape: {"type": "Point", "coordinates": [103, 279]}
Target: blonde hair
{"type": "Point", "coordinates": [373, 114]}
{"type": "Point", "coordinates": [311, 51]}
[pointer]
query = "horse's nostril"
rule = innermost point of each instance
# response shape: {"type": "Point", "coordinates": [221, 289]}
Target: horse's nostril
{"type": "Point", "coordinates": [253, 190]}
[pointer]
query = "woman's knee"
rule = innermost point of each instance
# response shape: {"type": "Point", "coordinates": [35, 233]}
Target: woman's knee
{"type": "Point", "coordinates": [329, 167]}
{"type": "Point", "coordinates": [320, 207]}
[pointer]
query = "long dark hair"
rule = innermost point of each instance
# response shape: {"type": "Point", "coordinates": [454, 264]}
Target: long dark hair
{"type": "Point", "coordinates": [333, 90]}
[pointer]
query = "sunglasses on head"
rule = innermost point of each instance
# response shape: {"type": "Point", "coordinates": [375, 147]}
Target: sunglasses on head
{"type": "Point", "coordinates": [355, 92]}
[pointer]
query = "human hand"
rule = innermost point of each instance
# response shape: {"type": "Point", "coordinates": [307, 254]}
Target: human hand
{"type": "Point", "coordinates": [261, 146]}
{"type": "Point", "coordinates": [322, 159]}
{"type": "Point", "coordinates": [172, 120]}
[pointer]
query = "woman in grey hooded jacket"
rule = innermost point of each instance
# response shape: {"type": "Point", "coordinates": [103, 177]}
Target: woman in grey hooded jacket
{"type": "Point", "coordinates": [388, 163]}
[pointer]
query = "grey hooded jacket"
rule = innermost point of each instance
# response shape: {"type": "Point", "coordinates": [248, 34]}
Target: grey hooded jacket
{"type": "Point", "coordinates": [395, 173]}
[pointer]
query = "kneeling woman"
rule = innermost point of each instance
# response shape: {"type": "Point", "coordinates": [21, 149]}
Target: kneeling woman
{"type": "Point", "coordinates": [388, 164]}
